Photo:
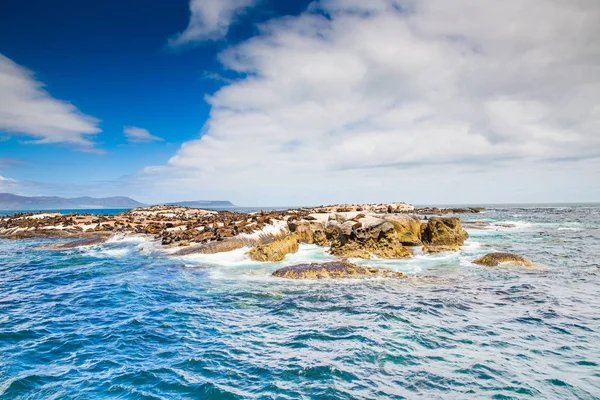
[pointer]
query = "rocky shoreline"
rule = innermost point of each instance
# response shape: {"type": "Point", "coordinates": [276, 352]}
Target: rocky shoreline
{"type": "Point", "coordinates": [364, 231]}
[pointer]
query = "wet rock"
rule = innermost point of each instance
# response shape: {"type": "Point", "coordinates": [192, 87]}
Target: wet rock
{"type": "Point", "coordinates": [334, 270]}
{"type": "Point", "coordinates": [433, 249]}
{"type": "Point", "coordinates": [475, 224]}
{"type": "Point", "coordinates": [76, 243]}
{"type": "Point", "coordinates": [274, 251]}
{"type": "Point", "coordinates": [505, 225]}
{"type": "Point", "coordinates": [443, 231]}
{"type": "Point", "coordinates": [349, 250]}
{"type": "Point", "coordinates": [494, 259]}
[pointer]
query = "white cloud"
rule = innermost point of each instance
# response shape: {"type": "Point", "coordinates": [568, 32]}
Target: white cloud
{"type": "Point", "coordinates": [8, 185]}
{"type": "Point", "coordinates": [210, 20]}
{"type": "Point", "coordinates": [139, 135]}
{"type": "Point", "coordinates": [26, 108]}
{"type": "Point", "coordinates": [4, 179]}
{"type": "Point", "coordinates": [381, 98]}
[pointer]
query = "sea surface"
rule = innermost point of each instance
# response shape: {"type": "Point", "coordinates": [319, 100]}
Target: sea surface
{"type": "Point", "coordinates": [119, 320]}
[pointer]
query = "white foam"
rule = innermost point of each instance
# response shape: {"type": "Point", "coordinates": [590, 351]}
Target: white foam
{"type": "Point", "coordinates": [274, 228]}
{"type": "Point", "coordinates": [517, 224]}
{"type": "Point", "coordinates": [123, 238]}
{"type": "Point", "coordinates": [100, 252]}
{"type": "Point", "coordinates": [225, 259]}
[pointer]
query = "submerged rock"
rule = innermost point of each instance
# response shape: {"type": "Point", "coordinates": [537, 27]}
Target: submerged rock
{"type": "Point", "coordinates": [76, 243]}
{"type": "Point", "coordinates": [433, 249]}
{"type": "Point", "coordinates": [276, 250]}
{"type": "Point", "coordinates": [334, 270]}
{"type": "Point", "coordinates": [493, 259]}
{"type": "Point", "coordinates": [443, 233]}
{"type": "Point", "coordinates": [476, 224]}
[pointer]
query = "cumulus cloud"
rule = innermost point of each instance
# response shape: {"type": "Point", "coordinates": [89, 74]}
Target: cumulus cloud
{"type": "Point", "coordinates": [370, 96]}
{"type": "Point", "coordinates": [26, 108]}
{"type": "Point", "coordinates": [210, 20]}
{"type": "Point", "coordinates": [134, 134]}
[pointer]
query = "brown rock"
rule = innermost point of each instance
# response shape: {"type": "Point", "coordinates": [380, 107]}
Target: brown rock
{"type": "Point", "coordinates": [334, 270]}
{"type": "Point", "coordinates": [446, 231]}
{"type": "Point", "coordinates": [432, 248]}
{"type": "Point", "coordinates": [276, 250]}
{"type": "Point", "coordinates": [407, 227]}
{"type": "Point", "coordinates": [493, 259]}
{"type": "Point", "coordinates": [302, 230]}
{"type": "Point", "coordinates": [363, 245]}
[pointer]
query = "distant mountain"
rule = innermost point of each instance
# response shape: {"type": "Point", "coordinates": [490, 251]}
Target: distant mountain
{"type": "Point", "coordinates": [203, 203]}
{"type": "Point", "coordinates": [10, 201]}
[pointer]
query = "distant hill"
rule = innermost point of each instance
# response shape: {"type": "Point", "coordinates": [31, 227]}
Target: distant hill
{"type": "Point", "coordinates": [203, 203]}
{"type": "Point", "coordinates": [10, 201]}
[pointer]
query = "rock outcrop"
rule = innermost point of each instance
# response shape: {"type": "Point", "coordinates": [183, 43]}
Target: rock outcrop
{"type": "Point", "coordinates": [350, 230]}
{"type": "Point", "coordinates": [442, 234]}
{"type": "Point", "coordinates": [334, 270]}
{"type": "Point", "coordinates": [494, 259]}
{"type": "Point", "coordinates": [408, 228]}
{"type": "Point", "coordinates": [276, 250]}
{"type": "Point", "coordinates": [366, 237]}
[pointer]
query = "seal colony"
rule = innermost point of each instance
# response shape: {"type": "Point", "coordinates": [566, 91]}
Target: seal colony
{"type": "Point", "coordinates": [390, 231]}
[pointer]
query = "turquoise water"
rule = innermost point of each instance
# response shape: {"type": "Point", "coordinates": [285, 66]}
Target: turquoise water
{"type": "Point", "coordinates": [119, 320]}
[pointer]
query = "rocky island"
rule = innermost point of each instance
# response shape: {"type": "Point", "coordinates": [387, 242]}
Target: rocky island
{"type": "Point", "coordinates": [392, 231]}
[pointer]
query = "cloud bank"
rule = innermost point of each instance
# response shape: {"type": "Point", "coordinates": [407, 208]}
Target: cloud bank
{"type": "Point", "coordinates": [210, 20]}
{"type": "Point", "coordinates": [134, 134]}
{"type": "Point", "coordinates": [355, 99]}
{"type": "Point", "coordinates": [27, 109]}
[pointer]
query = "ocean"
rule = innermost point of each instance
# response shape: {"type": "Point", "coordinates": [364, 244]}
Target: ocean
{"type": "Point", "coordinates": [119, 320]}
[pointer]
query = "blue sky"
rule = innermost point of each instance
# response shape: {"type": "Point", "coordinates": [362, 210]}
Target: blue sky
{"type": "Point", "coordinates": [270, 102]}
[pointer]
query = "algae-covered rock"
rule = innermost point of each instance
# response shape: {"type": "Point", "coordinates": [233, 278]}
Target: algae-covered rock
{"type": "Point", "coordinates": [494, 259]}
{"type": "Point", "coordinates": [334, 270]}
{"type": "Point", "coordinates": [443, 231]}
{"type": "Point", "coordinates": [433, 249]}
{"type": "Point", "coordinates": [276, 250]}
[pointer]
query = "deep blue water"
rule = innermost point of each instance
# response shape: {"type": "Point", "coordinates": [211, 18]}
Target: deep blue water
{"type": "Point", "coordinates": [120, 321]}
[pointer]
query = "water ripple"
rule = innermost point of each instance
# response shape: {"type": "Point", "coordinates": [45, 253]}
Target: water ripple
{"type": "Point", "coordinates": [112, 322]}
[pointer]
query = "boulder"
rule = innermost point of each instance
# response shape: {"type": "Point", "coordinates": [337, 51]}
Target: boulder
{"type": "Point", "coordinates": [369, 237]}
{"type": "Point", "coordinates": [433, 249]}
{"type": "Point", "coordinates": [349, 250]}
{"type": "Point", "coordinates": [443, 231]}
{"type": "Point", "coordinates": [276, 250]}
{"type": "Point", "coordinates": [302, 230]}
{"type": "Point", "coordinates": [334, 270]}
{"type": "Point", "coordinates": [407, 227]}
{"type": "Point", "coordinates": [494, 259]}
